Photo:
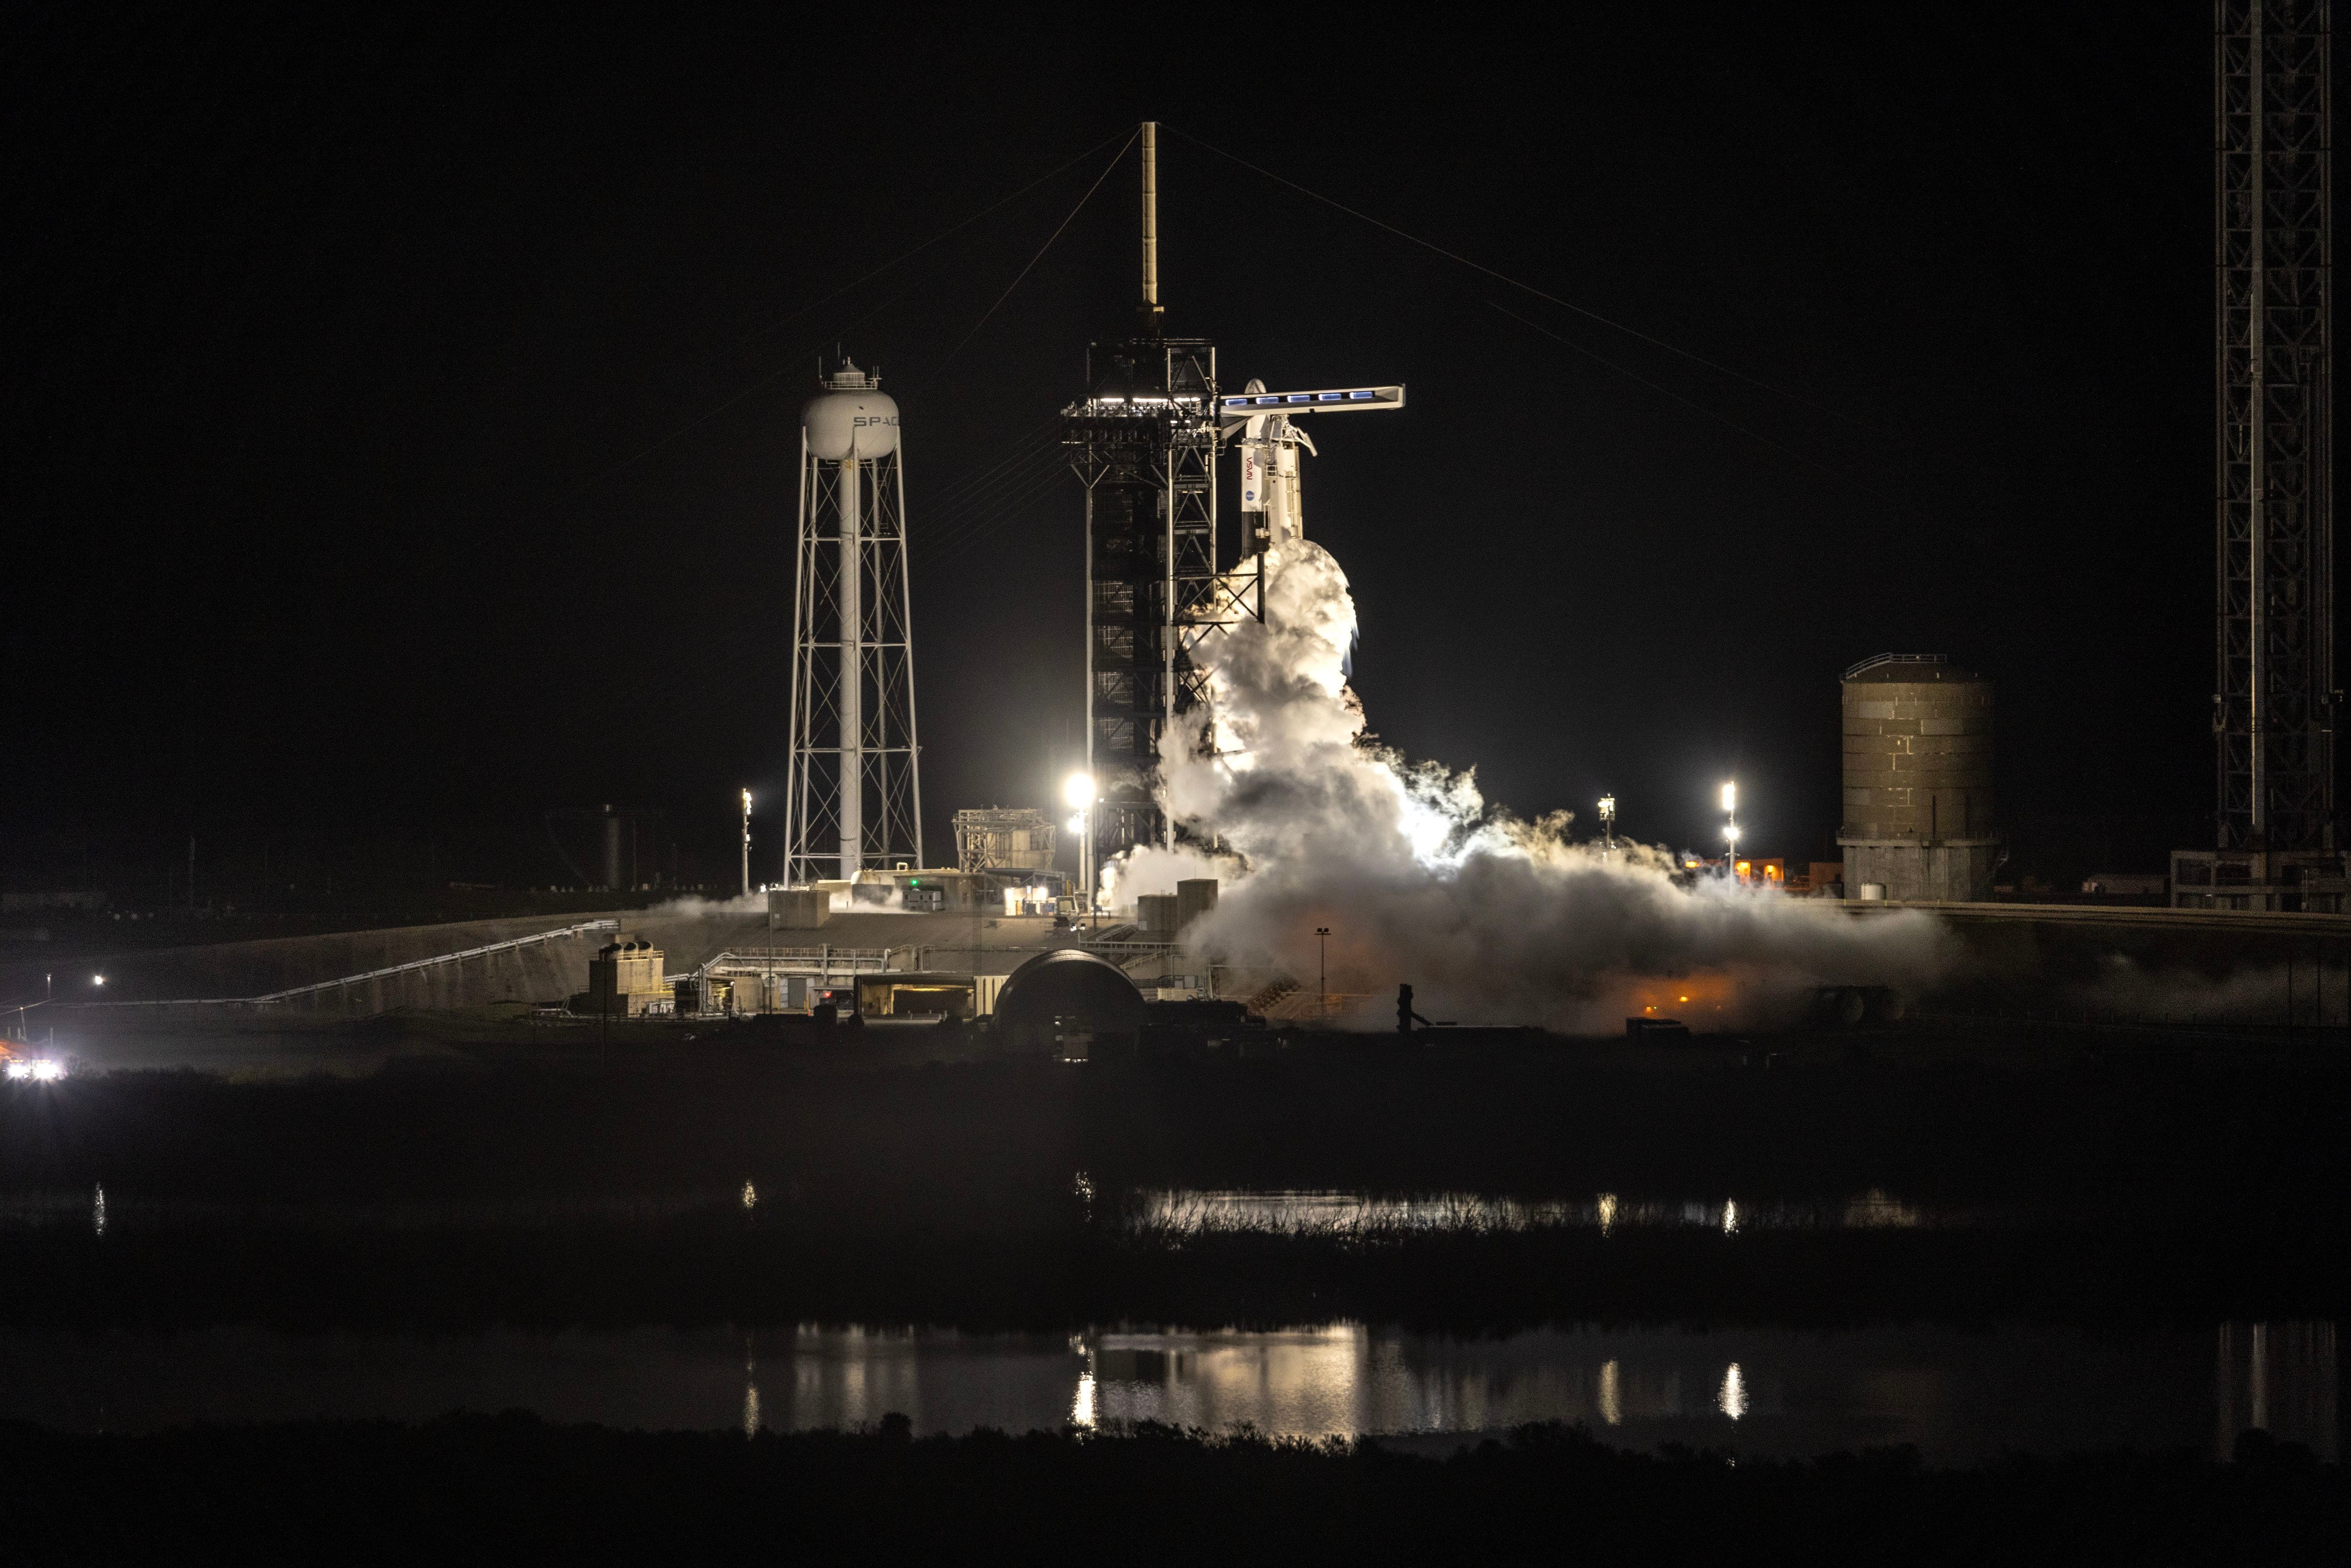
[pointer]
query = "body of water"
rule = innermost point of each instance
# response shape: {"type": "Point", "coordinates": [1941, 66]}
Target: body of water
{"type": "Point", "coordinates": [1958, 1396]}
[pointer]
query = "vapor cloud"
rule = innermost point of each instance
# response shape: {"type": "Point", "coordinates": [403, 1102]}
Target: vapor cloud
{"type": "Point", "coordinates": [1490, 917]}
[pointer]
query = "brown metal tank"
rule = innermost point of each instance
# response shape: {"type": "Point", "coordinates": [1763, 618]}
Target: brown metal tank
{"type": "Point", "coordinates": [1918, 820]}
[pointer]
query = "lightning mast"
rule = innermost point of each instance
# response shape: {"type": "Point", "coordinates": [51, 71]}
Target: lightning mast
{"type": "Point", "coordinates": [2273, 712]}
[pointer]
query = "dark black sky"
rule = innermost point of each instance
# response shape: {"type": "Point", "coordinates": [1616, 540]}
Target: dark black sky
{"type": "Point", "coordinates": [400, 416]}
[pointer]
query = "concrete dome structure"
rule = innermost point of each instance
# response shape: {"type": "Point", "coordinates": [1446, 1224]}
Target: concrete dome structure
{"type": "Point", "coordinates": [1063, 1002]}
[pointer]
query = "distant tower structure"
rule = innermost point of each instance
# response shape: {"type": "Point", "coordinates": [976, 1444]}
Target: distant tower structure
{"type": "Point", "coordinates": [852, 799]}
{"type": "Point", "coordinates": [1917, 822]}
{"type": "Point", "coordinates": [1143, 439]}
{"type": "Point", "coordinates": [2274, 703]}
{"type": "Point", "coordinates": [2274, 708]}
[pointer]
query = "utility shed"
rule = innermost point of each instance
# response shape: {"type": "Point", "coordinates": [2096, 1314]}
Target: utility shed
{"type": "Point", "coordinates": [625, 977]}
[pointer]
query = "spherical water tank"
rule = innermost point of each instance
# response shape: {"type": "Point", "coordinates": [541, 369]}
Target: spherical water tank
{"type": "Point", "coordinates": [1918, 778]}
{"type": "Point", "coordinates": [851, 418]}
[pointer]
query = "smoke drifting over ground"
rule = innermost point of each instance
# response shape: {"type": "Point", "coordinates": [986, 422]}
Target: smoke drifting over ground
{"type": "Point", "coordinates": [2250, 994]}
{"type": "Point", "coordinates": [878, 899]}
{"type": "Point", "coordinates": [1493, 919]}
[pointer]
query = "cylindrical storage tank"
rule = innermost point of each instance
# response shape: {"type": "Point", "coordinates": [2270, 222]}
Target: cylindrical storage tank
{"type": "Point", "coordinates": [1195, 896]}
{"type": "Point", "coordinates": [851, 418]}
{"type": "Point", "coordinates": [1918, 817]}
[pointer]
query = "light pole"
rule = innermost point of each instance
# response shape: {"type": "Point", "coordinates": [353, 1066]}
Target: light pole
{"type": "Point", "coordinates": [1078, 791]}
{"type": "Point", "coordinates": [1323, 937]}
{"type": "Point", "coordinates": [1608, 825]}
{"type": "Point", "coordinates": [1730, 830]}
{"type": "Point", "coordinates": [747, 843]}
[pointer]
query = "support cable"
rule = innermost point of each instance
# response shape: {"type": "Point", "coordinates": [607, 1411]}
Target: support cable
{"type": "Point", "coordinates": [1692, 403]}
{"type": "Point", "coordinates": [940, 368]}
{"type": "Point", "coordinates": [902, 257]}
{"type": "Point", "coordinates": [1499, 276]}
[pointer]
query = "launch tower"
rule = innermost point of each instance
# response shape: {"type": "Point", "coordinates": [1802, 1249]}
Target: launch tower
{"type": "Point", "coordinates": [2274, 703]}
{"type": "Point", "coordinates": [2275, 706]}
{"type": "Point", "coordinates": [1143, 439]}
{"type": "Point", "coordinates": [852, 799]}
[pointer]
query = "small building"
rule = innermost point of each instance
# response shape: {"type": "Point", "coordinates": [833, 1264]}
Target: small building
{"type": "Point", "coordinates": [2312, 880]}
{"type": "Point", "coordinates": [919, 994]}
{"type": "Point", "coordinates": [625, 980]}
{"type": "Point", "coordinates": [998, 839]}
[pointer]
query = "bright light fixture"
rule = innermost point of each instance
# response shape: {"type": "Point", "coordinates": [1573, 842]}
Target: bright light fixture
{"type": "Point", "coordinates": [1078, 823]}
{"type": "Point", "coordinates": [19, 1070]}
{"type": "Point", "coordinates": [97, 979]}
{"type": "Point", "coordinates": [1731, 797]}
{"type": "Point", "coordinates": [46, 1072]}
{"type": "Point", "coordinates": [1731, 832]}
{"type": "Point", "coordinates": [1078, 790]}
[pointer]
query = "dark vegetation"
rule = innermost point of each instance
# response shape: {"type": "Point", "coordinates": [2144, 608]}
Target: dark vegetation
{"type": "Point", "coordinates": [2061, 1182]}
{"type": "Point", "coordinates": [509, 1488]}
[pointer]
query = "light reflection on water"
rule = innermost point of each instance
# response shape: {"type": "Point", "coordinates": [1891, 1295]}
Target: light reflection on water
{"type": "Point", "coordinates": [1188, 1210]}
{"type": "Point", "coordinates": [1958, 1396]}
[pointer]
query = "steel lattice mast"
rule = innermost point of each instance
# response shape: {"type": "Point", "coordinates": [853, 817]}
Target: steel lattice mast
{"type": "Point", "coordinates": [1144, 440]}
{"type": "Point", "coordinates": [853, 794]}
{"type": "Point", "coordinates": [2273, 712]}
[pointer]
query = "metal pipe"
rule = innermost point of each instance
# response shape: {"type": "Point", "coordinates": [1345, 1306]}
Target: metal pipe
{"type": "Point", "coordinates": [1151, 214]}
{"type": "Point", "coordinates": [853, 672]}
{"type": "Point", "coordinates": [906, 651]}
{"type": "Point", "coordinates": [795, 772]}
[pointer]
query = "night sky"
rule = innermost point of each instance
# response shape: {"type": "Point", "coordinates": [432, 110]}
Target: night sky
{"type": "Point", "coordinates": [400, 416]}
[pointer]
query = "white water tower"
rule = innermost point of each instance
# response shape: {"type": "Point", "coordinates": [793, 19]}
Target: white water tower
{"type": "Point", "coordinates": [852, 799]}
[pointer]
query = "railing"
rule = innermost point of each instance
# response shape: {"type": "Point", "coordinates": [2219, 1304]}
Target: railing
{"type": "Point", "coordinates": [1129, 949]}
{"type": "Point", "coordinates": [1877, 659]}
{"type": "Point", "coordinates": [272, 998]}
{"type": "Point", "coordinates": [824, 961]}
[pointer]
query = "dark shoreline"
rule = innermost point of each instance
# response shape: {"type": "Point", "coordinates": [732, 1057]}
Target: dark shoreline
{"type": "Point", "coordinates": [510, 1487]}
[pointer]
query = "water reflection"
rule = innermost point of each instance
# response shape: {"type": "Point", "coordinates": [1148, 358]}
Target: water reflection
{"type": "Point", "coordinates": [1186, 1210]}
{"type": "Point", "coordinates": [1732, 1400]}
{"type": "Point", "coordinates": [2278, 1378]}
{"type": "Point", "coordinates": [1181, 1210]}
{"type": "Point", "coordinates": [1959, 1396]}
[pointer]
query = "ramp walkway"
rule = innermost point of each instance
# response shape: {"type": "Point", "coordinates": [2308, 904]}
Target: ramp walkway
{"type": "Point", "coordinates": [343, 983]}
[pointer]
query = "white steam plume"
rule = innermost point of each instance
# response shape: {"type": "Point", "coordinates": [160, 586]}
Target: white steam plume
{"type": "Point", "coordinates": [1490, 918]}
